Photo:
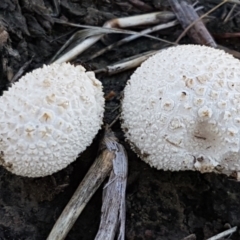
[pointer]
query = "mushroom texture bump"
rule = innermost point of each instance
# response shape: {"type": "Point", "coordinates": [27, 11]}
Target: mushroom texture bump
{"type": "Point", "coordinates": [47, 118]}
{"type": "Point", "coordinates": [181, 110]}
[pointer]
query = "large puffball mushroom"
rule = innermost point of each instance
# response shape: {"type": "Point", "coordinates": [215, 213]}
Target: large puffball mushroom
{"type": "Point", "coordinates": [181, 110]}
{"type": "Point", "coordinates": [48, 117]}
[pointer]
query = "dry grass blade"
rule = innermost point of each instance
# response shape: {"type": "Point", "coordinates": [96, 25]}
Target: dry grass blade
{"type": "Point", "coordinates": [114, 207]}
{"type": "Point", "coordinates": [223, 234]}
{"type": "Point", "coordinates": [57, 8]}
{"type": "Point", "coordinates": [79, 36]}
{"type": "Point", "coordinates": [133, 37]}
{"type": "Point", "coordinates": [21, 70]}
{"type": "Point", "coordinates": [85, 39]}
{"type": "Point", "coordinates": [230, 13]}
{"type": "Point", "coordinates": [105, 29]}
{"type": "Point", "coordinates": [190, 237]}
{"type": "Point", "coordinates": [88, 37]}
{"type": "Point", "coordinates": [97, 173]}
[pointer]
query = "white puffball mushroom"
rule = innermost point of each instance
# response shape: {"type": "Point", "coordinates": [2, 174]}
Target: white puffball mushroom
{"type": "Point", "coordinates": [48, 117]}
{"type": "Point", "coordinates": [181, 110]}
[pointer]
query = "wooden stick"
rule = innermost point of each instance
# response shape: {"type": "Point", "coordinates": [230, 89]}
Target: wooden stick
{"type": "Point", "coordinates": [97, 173]}
{"type": "Point", "coordinates": [114, 208]}
{"type": "Point", "coordinates": [126, 63]}
{"type": "Point", "coordinates": [191, 23]}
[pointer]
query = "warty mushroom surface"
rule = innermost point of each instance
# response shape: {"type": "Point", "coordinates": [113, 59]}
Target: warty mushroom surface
{"type": "Point", "coordinates": [181, 110]}
{"type": "Point", "coordinates": [48, 117]}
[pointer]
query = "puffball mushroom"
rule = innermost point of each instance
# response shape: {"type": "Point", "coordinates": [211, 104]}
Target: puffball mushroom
{"type": "Point", "coordinates": [181, 110]}
{"type": "Point", "coordinates": [48, 117]}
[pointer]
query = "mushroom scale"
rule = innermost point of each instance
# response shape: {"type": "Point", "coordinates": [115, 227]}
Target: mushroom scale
{"type": "Point", "coordinates": [48, 117]}
{"type": "Point", "coordinates": [181, 110]}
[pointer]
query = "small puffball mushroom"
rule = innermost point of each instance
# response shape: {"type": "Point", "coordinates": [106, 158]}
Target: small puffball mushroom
{"type": "Point", "coordinates": [47, 118]}
{"type": "Point", "coordinates": [181, 110]}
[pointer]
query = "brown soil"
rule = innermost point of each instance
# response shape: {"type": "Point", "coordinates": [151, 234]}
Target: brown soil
{"type": "Point", "coordinates": [160, 205]}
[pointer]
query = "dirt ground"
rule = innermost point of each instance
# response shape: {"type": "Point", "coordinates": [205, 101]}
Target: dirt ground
{"type": "Point", "coordinates": [160, 205]}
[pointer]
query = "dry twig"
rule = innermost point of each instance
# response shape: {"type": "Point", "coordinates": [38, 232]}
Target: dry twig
{"type": "Point", "coordinates": [204, 15]}
{"type": "Point", "coordinates": [114, 208]}
{"type": "Point", "coordinates": [91, 182]}
{"type": "Point", "coordinates": [111, 155]}
{"type": "Point", "coordinates": [191, 23]}
{"type": "Point", "coordinates": [194, 26]}
{"type": "Point", "coordinates": [126, 63]}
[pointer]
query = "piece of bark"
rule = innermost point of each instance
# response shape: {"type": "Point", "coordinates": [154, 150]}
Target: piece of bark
{"type": "Point", "coordinates": [114, 203]}
{"type": "Point", "coordinates": [4, 36]}
{"type": "Point", "coordinates": [186, 15]}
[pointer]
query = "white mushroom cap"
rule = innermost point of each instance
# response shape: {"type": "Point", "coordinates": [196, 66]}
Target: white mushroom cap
{"type": "Point", "coordinates": [47, 118]}
{"type": "Point", "coordinates": [181, 110]}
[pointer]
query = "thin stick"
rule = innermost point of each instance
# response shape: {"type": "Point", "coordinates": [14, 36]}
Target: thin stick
{"type": "Point", "coordinates": [200, 18]}
{"type": "Point", "coordinates": [114, 120]}
{"type": "Point", "coordinates": [223, 234]}
{"type": "Point", "coordinates": [126, 64]}
{"type": "Point", "coordinates": [230, 13]}
{"type": "Point", "coordinates": [21, 70]}
{"type": "Point", "coordinates": [187, 15]}
{"type": "Point", "coordinates": [78, 49]}
{"type": "Point", "coordinates": [91, 182]}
